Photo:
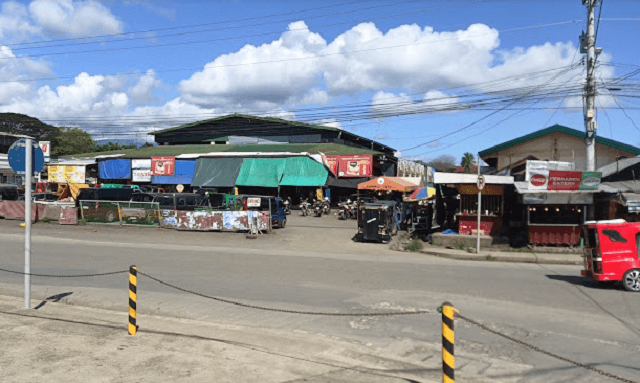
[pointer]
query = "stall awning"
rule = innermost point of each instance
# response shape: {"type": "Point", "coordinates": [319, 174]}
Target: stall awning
{"type": "Point", "coordinates": [304, 171]}
{"type": "Point", "coordinates": [631, 201]}
{"type": "Point", "coordinates": [389, 183]}
{"type": "Point", "coordinates": [183, 174]}
{"type": "Point", "coordinates": [115, 169]}
{"type": "Point", "coordinates": [421, 194]}
{"type": "Point", "coordinates": [216, 172]}
{"type": "Point", "coordinates": [265, 172]}
{"type": "Point", "coordinates": [553, 197]}
{"type": "Point", "coordinates": [350, 183]}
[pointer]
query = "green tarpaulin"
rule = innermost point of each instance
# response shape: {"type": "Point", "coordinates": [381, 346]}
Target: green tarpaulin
{"type": "Point", "coordinates": [304, 171]}
{"type": "Point", "coordinates": [266, 172]}
{"type": "Point", "coordinates": [216, 172]}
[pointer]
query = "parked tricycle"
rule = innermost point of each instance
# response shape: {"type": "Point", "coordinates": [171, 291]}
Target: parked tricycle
{"type": "Point", "coordinates": [612, 252]}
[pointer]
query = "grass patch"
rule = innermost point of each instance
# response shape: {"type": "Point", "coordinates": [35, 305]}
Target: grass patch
{"type": "Point", "coordinates": [459, 245]}
{"type": "Point", "coordinates": [414, 245]}
{"type": "Point", "coordinates": [82, 222]}
{"type": "Point", "coordinates": [518, 250]}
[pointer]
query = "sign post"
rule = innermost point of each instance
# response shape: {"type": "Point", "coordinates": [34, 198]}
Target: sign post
{"type": "Point", "coordinates": [27, 221]}
{"type": "Point", "coordinates": [25, 159]}
{"type": "Point", "coordinates": [481, 183]}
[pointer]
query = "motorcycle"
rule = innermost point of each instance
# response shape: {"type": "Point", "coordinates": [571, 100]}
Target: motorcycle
{"type": "Point", "coordinates": [318, 208]}
{"type": "Point", "coordinates": [287, 205]}
{"type": "Point", "coordinates": [346, 210]}
{"type": "Point", "coordinates": [326, 206]}
{"type": "Point", "coordinates": [305, 207]}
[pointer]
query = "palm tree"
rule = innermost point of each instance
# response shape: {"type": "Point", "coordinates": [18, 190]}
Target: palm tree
{"type": "Point", "coordinates": [467, 162]}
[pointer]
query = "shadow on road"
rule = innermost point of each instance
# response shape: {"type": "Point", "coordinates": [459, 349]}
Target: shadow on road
{"type": "Point", "coordinates": [53, 298]}
{"type": "Point", "coordinates": [584, 281]}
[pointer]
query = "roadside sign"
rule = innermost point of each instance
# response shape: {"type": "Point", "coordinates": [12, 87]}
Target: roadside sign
{"type": "Point", "coordinates": [253, 202]}
{"type": "Point", "coordinates": [481, 182]}
{"type": "Point", "coordinates": [17, 157]}
{"type": "Point", "coordinates": [46, 150]}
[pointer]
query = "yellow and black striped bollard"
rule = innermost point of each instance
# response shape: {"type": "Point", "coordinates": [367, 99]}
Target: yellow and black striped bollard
{"type": "Point", "coordinates": [448, 358]}
{"type": "Point", "coordinates": [133, 299]}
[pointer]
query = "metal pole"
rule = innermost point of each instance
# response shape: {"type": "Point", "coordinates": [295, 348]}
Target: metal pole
{"type": "Point", "coordinates": [28, 172]}
{"type": "Point", "coordinates": [133, 299]}
{"type": "Point", "coordinates": [590, 89]}
{"type": "Point", "coordinates": [479, 209]}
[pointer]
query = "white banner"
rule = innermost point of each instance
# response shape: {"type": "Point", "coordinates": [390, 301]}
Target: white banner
{"type": "Point", "coordinates": [141, 164]}
{"type": "Point", "coordinates": [141, 175]}
{"type": "Point", "coordinates": [46, 150]}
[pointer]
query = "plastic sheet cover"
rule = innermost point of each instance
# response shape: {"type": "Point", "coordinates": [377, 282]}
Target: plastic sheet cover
{"type": "Point", "coordinates": [183, 174]}
{"type": "Point", "coordinates": [304, 171]}
{"type": "Point", "coordinates": [216, 172]}
{"type": "Point", "coordinates": [265, 172]}
{"type": "Point", "coordinates": [115, 169]}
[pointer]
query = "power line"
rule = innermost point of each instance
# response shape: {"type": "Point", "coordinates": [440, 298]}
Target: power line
{"type": "Point", "coordinates": [284, 60]}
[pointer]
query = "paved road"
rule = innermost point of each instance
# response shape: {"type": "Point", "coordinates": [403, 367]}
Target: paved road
{"type": "Point", "coordinates": [312, 266]}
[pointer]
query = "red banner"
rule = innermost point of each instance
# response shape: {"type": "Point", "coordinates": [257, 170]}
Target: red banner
{"type": "Point", "coordinates": [564, 180]}
{"type": "Point", "coordinates": [163, 166]}
{"type": "Point", "coordinates": [355, 166]}
{"type": "Point", "coordinates": [332, 163]}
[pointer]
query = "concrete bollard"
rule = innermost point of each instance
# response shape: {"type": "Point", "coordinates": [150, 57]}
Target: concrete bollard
{"type": "Point", "coordinates": [448, 358]}
{"type": "Point", "coordinates": [133, 299]}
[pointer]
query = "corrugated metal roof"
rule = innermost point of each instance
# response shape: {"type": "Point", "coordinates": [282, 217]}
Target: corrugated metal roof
{"type": "Point", "coordinates": [463, 178]}
{"type": "Point", "coordinates": [176, 150]}
{"type": "Point", "coordinates": [620, 187]}
{"type": "Point", "coordinates": [617, 166]}
{"type": "Point", "coordinates": [558, 129]}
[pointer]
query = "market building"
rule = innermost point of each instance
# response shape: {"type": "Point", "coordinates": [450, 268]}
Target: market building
{"type": "Point", "coordinates": [255, 155]}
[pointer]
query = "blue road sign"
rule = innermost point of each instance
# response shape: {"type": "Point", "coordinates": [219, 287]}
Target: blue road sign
{"type": "Point", "coordinates": [17, 157]}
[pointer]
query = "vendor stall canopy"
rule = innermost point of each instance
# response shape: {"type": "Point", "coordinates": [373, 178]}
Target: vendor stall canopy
{"type": "Point", "coordinates": [399, 184]}
{"type": "Point", "coordinates": [115, 169]}
{"type": "Point", "coordinates": [183, 174]}
{"type": "Point", "coordinates": [274, 172]}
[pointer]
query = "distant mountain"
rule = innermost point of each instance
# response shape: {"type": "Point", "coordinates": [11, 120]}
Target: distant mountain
{"type": "Point", "coordinates": [16, 123]}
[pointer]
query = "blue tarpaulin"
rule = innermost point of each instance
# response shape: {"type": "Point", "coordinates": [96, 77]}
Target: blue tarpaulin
{"type": "Point", "coordinates": [183, 174]}
{"type": "Point", "coordinates": [115, 169]}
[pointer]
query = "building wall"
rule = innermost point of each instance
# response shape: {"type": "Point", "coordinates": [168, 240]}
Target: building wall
{"type": "Point", "coordinates": [557, 147]}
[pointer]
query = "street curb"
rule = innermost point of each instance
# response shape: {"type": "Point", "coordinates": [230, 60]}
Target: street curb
{"type": "Point", "coordinates": [500, 258]}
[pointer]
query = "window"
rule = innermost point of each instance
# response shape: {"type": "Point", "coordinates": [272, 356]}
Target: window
{"type": "Point", "coordinates": [638, 244]}
{"type": "Point", "coordinates": [614, 236]}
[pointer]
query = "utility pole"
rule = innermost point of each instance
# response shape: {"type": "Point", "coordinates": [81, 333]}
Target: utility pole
{"type": "Point", "coordinates": [588, 46]}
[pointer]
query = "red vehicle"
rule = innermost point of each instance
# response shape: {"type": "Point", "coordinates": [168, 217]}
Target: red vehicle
{"type": "Point", "coordinates": [612, 252]}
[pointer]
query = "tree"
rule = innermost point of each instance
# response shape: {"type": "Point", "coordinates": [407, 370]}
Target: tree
{"type": "Point", "coordinates": [70, 141]}
{"type": "Point", "coordinates": [467, 162]}
{"type": "Point", "coordinates": [443, 163]}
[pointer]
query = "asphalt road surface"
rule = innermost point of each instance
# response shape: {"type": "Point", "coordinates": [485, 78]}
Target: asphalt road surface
{"type": "Point", "coordinates": [313, 266]}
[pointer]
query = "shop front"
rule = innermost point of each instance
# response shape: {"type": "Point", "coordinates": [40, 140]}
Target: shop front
{"type": "Point", "coordinates": [492, 202]}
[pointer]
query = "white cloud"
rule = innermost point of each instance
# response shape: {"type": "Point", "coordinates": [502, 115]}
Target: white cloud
{"type": "Point", "coordinates": [142, 92]}
{"type": "Point", "coordinates": [315, 97]}
{"type": "Point", "coordinates": [74, 18]}
{"type": "Point", "coordinates": [14, 21]}
{"type": "Point", "coordinates": [380, 137]}
{"type": "Point", "coordinates": [229, 80]}
{"type": "Point", "coordinates": [14, 69]}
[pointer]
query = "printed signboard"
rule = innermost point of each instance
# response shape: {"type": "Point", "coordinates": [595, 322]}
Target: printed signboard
{"type": "Point", "coordinates": [355, 166]}
{"type": "Point", "coordinates": [141, 175]}
{"type": "Point", "coordinates": [253, 202]}
{"type": "Point", "coordinates": [141, 164]}
{"type": "Point", "coordinates": [163, 166]}
{"type": "Point", "coordinates": [67, 174]}
{"type": "Point", "coordinates": [332, 163]}
{"type": "Point", "coordinates": [46, 150]}
{"type": "Point", "coordinates": [560, 180]}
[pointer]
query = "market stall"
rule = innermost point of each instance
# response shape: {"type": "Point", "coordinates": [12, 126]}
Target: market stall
{"type": "Point", "coordinates": [555, 204]}
{"type": "Point", "coordinates": [492, 201]}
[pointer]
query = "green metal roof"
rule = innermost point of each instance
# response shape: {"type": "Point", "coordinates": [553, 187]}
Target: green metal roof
{"type": "Point", "coordinates": [176, 150]}
{"type": "Point", "coordinates": [269, 119]}
{"type": "Point", "coordinates": [558, 129]}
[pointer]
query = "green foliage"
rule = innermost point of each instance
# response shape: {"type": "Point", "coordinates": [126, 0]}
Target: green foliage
{"type": "Point", "coordinates": [467, 162]}
{"type": "Point", "coordinates": [443, 163]}
{"type": "Point", "coordinates": [415, 245]}
{"type": "Point", "coordinates": [72, 141]}
{"type": "Point", "coordinates": [459, 245]}
{"type": "Point", "coordinates": [82, 222]}
{"type": "Point", "coordinates": [112, 146]}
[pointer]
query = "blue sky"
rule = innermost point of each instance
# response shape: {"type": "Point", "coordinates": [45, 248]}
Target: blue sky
{"type": "Point", "coordinates": [395, 71]}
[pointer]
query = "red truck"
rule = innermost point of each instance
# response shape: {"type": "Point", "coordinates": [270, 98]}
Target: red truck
{"type": "Point", "coordinates": [612, 252]}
